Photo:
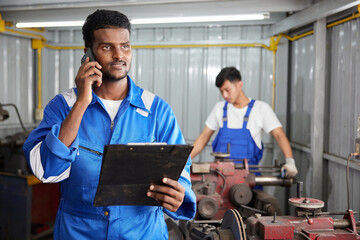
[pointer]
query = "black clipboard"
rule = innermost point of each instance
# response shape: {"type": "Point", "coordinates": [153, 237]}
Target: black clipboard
{"type": "Point", "coordinates": [127, 171]}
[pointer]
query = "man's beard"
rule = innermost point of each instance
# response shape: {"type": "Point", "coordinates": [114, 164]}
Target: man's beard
{"type": "Point", "coordinates": [108, 77]}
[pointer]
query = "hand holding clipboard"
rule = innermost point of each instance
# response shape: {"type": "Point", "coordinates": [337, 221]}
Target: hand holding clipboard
{"type": "Point", "coordinates": [128, 171]}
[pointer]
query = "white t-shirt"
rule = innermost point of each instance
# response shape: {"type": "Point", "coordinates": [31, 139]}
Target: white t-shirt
{"type": "Point", "coordinates": [261, 117]}
{"type": "Point", "coordinates": [111, 106]}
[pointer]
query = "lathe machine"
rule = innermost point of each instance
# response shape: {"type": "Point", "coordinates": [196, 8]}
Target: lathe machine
{"type": "Point", "coordinates": [308, 223]}
{"type": "Point", "coordinates": [223, 184]}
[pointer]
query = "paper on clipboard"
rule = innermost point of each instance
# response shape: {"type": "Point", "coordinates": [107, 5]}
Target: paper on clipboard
{"type": "Point", "coordinates": [128, 170]}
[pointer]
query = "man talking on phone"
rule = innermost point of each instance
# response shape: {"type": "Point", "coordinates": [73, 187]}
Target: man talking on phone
{"type": "Point", "coordinates": [106, 107]}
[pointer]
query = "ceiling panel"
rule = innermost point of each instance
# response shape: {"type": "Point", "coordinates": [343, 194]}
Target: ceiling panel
{"type": "Point", "coordinates": [50, 10]}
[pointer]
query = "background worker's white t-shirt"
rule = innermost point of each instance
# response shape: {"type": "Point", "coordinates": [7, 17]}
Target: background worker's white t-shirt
{"type": "Point", "coordinates": [261, 117]}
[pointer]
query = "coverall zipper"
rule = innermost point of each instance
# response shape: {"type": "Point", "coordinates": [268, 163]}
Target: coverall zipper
{"type": "Point", "coordinates": [91, 150]}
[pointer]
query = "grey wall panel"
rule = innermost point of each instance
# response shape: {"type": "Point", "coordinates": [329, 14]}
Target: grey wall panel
{"type": "Point", "coordinates": [50, 75]}
{"type": "Point", "coordinates": [337, 199]}
{"type": "Point", "coordinates": [196, 109]}
{"type": "Point", "coordinates": [16, 81]}
{"type": "Point", "coordinates": [177, 84]}
{"type": "Point", "coordinates": [344, 88]}
{"type": "Point", "coordinates": [302, 77]}
{"type": "Point", "coordinates": [344, 110]}
{"type": "Point", "coordinates": [59, 67]}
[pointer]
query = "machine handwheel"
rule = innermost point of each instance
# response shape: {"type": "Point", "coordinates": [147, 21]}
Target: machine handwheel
{"type": "Point", "coordinates": [306, 203]}
{"type": "Point", "coordinates": [220, 154]}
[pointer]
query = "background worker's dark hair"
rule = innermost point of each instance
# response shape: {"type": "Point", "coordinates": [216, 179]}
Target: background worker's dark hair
{"type": "Point", "coordinates": [228, 73]}
{"type": "Point", "coordinates": [102, 19]}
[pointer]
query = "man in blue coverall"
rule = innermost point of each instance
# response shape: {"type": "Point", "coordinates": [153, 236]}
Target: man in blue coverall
{"type": "Point", "coordinates": [106, 107]}
{"type": "Point", "coordinates": [240, 121]}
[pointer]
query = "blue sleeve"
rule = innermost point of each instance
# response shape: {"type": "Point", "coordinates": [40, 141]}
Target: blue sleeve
{"type": "Point", "coordinates": [55, 157]}
{"type": "Point", "coordinates": [169, 132]}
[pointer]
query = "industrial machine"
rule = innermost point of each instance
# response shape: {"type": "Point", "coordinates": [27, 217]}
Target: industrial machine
{"type": "Point", "coordinates": [309, 223]}
{"type": "Point", "coordinates": [27, 206]}
{"type": "Point", "coordinates": [223, 184]}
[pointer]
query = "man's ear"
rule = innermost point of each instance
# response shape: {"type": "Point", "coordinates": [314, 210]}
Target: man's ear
{"type": "Point", "coordinates": [239, 84]}
{"type": "Point", "coordinates": [85, 49]}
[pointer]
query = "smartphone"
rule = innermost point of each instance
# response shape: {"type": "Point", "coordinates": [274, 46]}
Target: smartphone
{"type": "Point", "coordinates": [89, 54]}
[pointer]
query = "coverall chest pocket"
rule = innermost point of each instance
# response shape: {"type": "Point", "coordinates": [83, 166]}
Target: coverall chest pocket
{"type": "Point", "coordinates": [86, 169]}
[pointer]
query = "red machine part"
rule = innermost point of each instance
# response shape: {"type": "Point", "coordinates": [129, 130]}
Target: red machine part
{"type": "Point", "coordinates": [292, 227]}
{"type": "Point", "coordinates": [218, 185]}
{"type": "Point", "coordinates": [309, 222]}
{"type": "Point", "coordinates": [307, 203]}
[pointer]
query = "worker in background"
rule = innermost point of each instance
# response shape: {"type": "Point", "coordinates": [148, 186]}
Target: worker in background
{"type": "Point", "coordinates": [106, 107]}
{"type": "Point", "coordinates": [240, 121]}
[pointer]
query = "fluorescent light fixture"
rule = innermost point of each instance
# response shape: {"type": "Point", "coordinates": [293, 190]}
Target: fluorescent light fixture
{"type": "Point", "coordinates": [49, 24]}
{"type": "Point", "coordinates": [197, 19]}
{"type": "Point", "coordinates": [135, 21]}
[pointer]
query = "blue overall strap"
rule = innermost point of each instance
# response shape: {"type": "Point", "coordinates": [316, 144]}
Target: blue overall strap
{"type": "Point", "coordinates": [246, 117]}
{"type": "Point", "coordinates": [225, 115]}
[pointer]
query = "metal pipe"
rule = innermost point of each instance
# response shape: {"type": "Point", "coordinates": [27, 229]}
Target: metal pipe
{"type": "Point", "coordinates": [259, 166]}
{"type": "Point", "coordinates": [31, 35]}
{"type": "Point", "coordinates": [207, 221]}
{"type": "Point", "coordinates": [299, 189]}
{"type": "Point", "coordinates": [273, 181]}
{"type": "Point", "coordinates": [39, 78]}
{"type": "Point", "coordinates": [63, 47]}
{"type": "Point", "coordinates": [224, 179]}
{"type": "Point", "coordinates": [273, 79]}
{"type": "Point", "coordinates": [330, 25]}
{"type": "Point", "coordinates": [265, 171]}
{"type": "Point", "coordinates": [341, 223]}
{"type": "Point", "coordinates": [260, 45]}
{"type": "Point", "coordinates": [254, 209]}
{"type": "Point", "coordinates": [333, 213]}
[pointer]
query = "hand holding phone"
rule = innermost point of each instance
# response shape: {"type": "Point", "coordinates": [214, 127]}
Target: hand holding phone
{"type": "Point", "coordinates": [88, 54]}
{"type": "Point", "coordinates": [88, 74]}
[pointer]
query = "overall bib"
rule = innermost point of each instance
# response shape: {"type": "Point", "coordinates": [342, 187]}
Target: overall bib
{"type": "Point", "coordinates": [242, 145]}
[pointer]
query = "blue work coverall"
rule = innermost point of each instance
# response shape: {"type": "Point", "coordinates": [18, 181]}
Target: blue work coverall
{"type": "Point", "coordinates": [242, 145]}
{"type": "Point", "coordinates": [142, 117]}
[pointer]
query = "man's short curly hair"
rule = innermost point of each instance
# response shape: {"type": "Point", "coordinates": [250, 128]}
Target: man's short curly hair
{"type": "Point", "coordinates": [102, 19]}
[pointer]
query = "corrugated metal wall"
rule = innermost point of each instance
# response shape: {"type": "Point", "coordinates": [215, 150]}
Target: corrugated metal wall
{"type": "Point", "coordinates": [341, 111]}
{"type": "Point", "coordinates": [16, 81]}
{"type": "Point", "coordinates": [301, 96]}
{"type": "Point", "coordinates": [184, 77]}
{"type": "Point", "coordinates": [344, 45]}
{"type": "Point", "coordinates": [301, 105]}
{"type": "Point", "coordinates": [344, 102]}
{"type": "Point", "coordinates": [59, 67]}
